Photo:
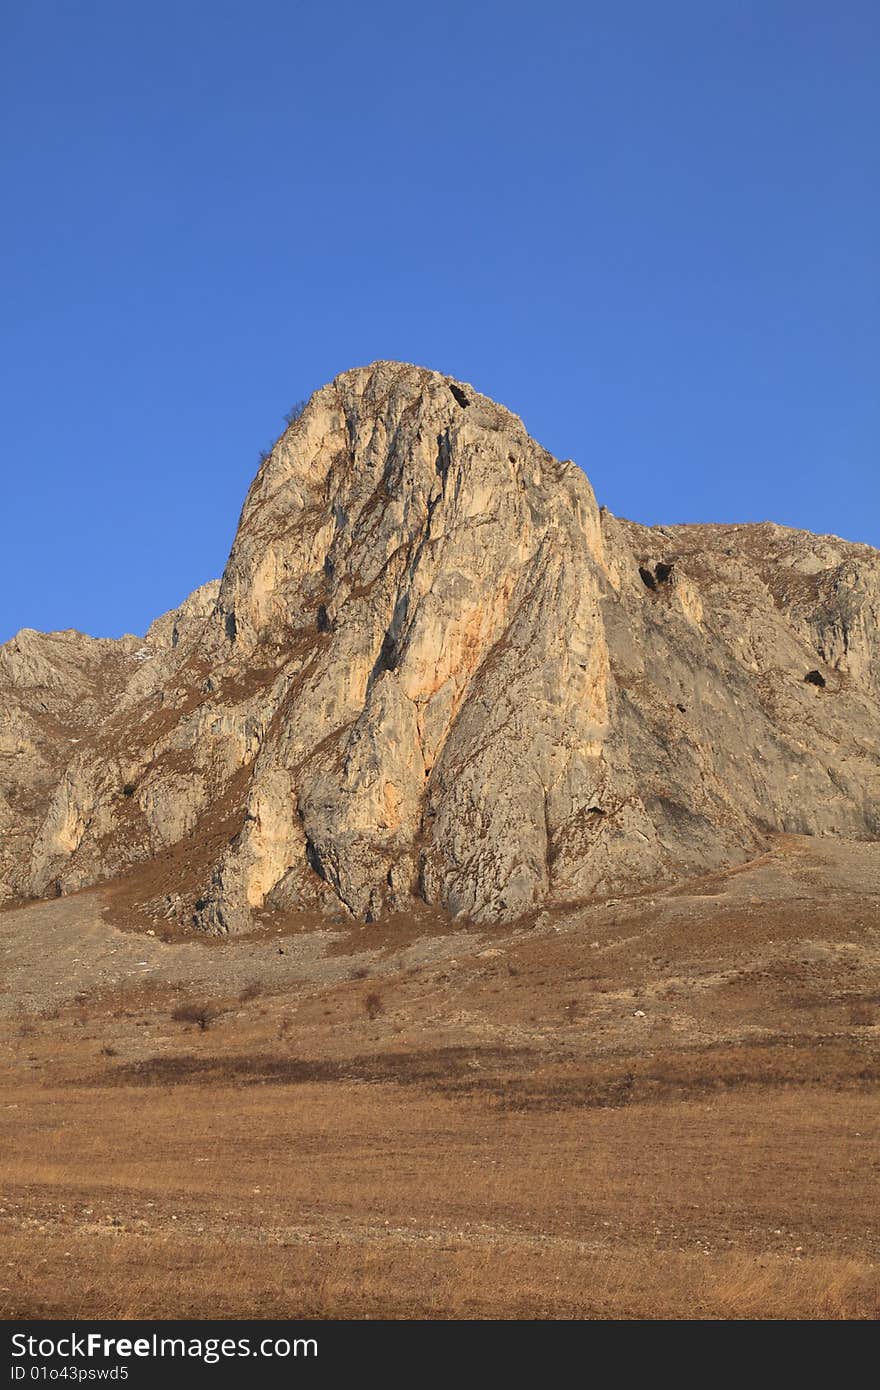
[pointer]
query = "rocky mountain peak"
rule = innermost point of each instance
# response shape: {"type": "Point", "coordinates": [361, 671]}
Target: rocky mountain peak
{"type": "Point", "coordinates": [433, 671]}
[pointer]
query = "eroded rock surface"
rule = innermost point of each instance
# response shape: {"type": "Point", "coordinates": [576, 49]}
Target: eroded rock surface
{"type": "Point", "coordinates": [434, 669]}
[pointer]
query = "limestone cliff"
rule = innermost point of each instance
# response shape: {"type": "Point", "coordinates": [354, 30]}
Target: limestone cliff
{"type": "Point", "coordinates": [433, 669]}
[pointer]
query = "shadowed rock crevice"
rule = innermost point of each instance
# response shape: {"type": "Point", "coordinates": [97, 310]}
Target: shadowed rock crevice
{"type": "Point", "coordinates": [313, 859]}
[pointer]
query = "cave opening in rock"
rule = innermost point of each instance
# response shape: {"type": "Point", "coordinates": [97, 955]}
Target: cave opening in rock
{"type": "Point", "coordinates": [459, 394]}
{"type": "Point", "coordinates": [815, 678]}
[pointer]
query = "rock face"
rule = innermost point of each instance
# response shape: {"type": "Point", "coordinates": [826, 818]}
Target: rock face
{"type": "Point", "coordinates": [435, 670]}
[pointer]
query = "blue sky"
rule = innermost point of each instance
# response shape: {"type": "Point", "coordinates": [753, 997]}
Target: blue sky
{"type": "Point", "coordinates": [651, 229]}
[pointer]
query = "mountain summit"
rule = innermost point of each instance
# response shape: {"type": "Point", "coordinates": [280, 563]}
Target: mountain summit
{"type": "Point", "coordinates": [434, 670]}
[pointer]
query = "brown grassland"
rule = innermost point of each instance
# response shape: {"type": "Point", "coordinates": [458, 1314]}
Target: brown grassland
{"type": "Point", "coordinates": [659, 1108]}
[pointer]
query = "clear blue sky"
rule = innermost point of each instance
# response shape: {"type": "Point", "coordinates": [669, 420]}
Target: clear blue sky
{"type": "Point", "coordinates": [650, 227]}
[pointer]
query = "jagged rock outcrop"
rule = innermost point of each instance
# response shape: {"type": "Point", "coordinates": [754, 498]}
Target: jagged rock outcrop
{"type": "Point", "coordinates": [55, 691]}
{"type": "Point", "coordinates": [434, 669]}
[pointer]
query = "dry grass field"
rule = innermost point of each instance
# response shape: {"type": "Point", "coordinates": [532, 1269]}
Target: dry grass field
{"type": "Point", "coordinates": [663, 1107]}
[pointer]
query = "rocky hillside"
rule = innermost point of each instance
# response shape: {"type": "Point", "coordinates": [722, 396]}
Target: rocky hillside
{"type": "Point", "coordinates": [435, 670]}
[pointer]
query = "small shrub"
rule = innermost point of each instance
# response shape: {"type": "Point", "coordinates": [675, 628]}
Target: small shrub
{"type": "Point", "coordinates": [200, 1014]}
{"type": "Point", "coordinates": [295, 411]}
{"type": "Point", "coordinates": [359, 973]}
{"type": "Point", "coordinates": [251, 991]}
{"type": "Point", "coordinates": [373, 1005]}
{"type": "Point", "coordinates": [108, 1052]}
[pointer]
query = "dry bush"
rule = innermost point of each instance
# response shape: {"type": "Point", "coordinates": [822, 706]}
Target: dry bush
{"type": "Point", "coordinates": [252, 991]}
{"type": "Point", "coordinates": [373, 1005]}
{"type": "Point", "coordinates": [202, 1015]}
